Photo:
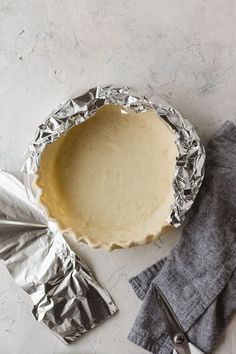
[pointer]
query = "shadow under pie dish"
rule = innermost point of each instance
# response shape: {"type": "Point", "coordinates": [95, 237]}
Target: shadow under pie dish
{"type": "Point", "coordinates": [106, 165]}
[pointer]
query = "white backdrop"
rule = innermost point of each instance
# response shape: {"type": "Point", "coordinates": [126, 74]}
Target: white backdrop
{"type": "Point", "coordinates": [181, 50]}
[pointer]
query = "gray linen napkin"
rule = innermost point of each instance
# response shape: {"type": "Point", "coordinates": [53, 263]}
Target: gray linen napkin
{"type": "Point", "coordinates": [198, 277]}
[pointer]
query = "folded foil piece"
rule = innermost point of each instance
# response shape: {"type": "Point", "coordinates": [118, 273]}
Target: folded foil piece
{"type": "Point", "coordinates": [189, 169]}
{"type": "Point", "coordinates": [65, 295]}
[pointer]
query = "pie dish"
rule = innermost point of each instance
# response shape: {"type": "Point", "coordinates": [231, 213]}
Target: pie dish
{"type": "Point", "coordinates": [109, 178]}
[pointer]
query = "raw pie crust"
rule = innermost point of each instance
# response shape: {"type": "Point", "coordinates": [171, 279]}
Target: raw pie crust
{"type": "Point", "coordinates": [108, 181]}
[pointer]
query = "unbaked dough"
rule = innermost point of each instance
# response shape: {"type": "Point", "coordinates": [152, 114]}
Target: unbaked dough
{"type": "Point", "coordinates": [109, 180]}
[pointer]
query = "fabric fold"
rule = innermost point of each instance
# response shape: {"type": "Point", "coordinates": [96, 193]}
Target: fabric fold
{"type": "Point", "coordinates": [199, 268]}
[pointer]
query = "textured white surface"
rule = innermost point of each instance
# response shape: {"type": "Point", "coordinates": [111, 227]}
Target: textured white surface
{"type": "Point", "coordinates": [181, 50]}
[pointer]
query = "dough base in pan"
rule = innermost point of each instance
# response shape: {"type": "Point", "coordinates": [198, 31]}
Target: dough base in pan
{"type": "Point", "coordinates": [108, 181]}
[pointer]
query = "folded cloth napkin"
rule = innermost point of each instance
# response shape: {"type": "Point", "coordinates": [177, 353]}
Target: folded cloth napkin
{"type": "Point", "coordinates": [198, 278]}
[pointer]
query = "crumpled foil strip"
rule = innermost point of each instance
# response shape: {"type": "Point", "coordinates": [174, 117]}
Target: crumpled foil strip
{"type": "Point", "coordinates": [189, 168]}
{"type": "Point", "coordinates": [65, 295]}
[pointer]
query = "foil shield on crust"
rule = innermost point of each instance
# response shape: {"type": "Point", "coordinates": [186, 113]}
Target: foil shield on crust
{"type": "Point", "coordinates": [189, 169]}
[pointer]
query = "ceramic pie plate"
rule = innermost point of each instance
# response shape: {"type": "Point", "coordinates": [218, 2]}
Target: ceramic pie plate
{"type": "Point", "coordinates": [114, 170]}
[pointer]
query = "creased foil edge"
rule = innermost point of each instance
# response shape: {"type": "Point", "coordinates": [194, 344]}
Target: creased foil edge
{"type": "Point", "coordinates": [65, 295]}
{"type": "Point", "coordinates": [189, 169]}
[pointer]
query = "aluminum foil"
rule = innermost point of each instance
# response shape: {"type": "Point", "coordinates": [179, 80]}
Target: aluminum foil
{"type": "Point", "coordinates": [189, 169]}
{"type": "Point", "coordinates": [64, 293]}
